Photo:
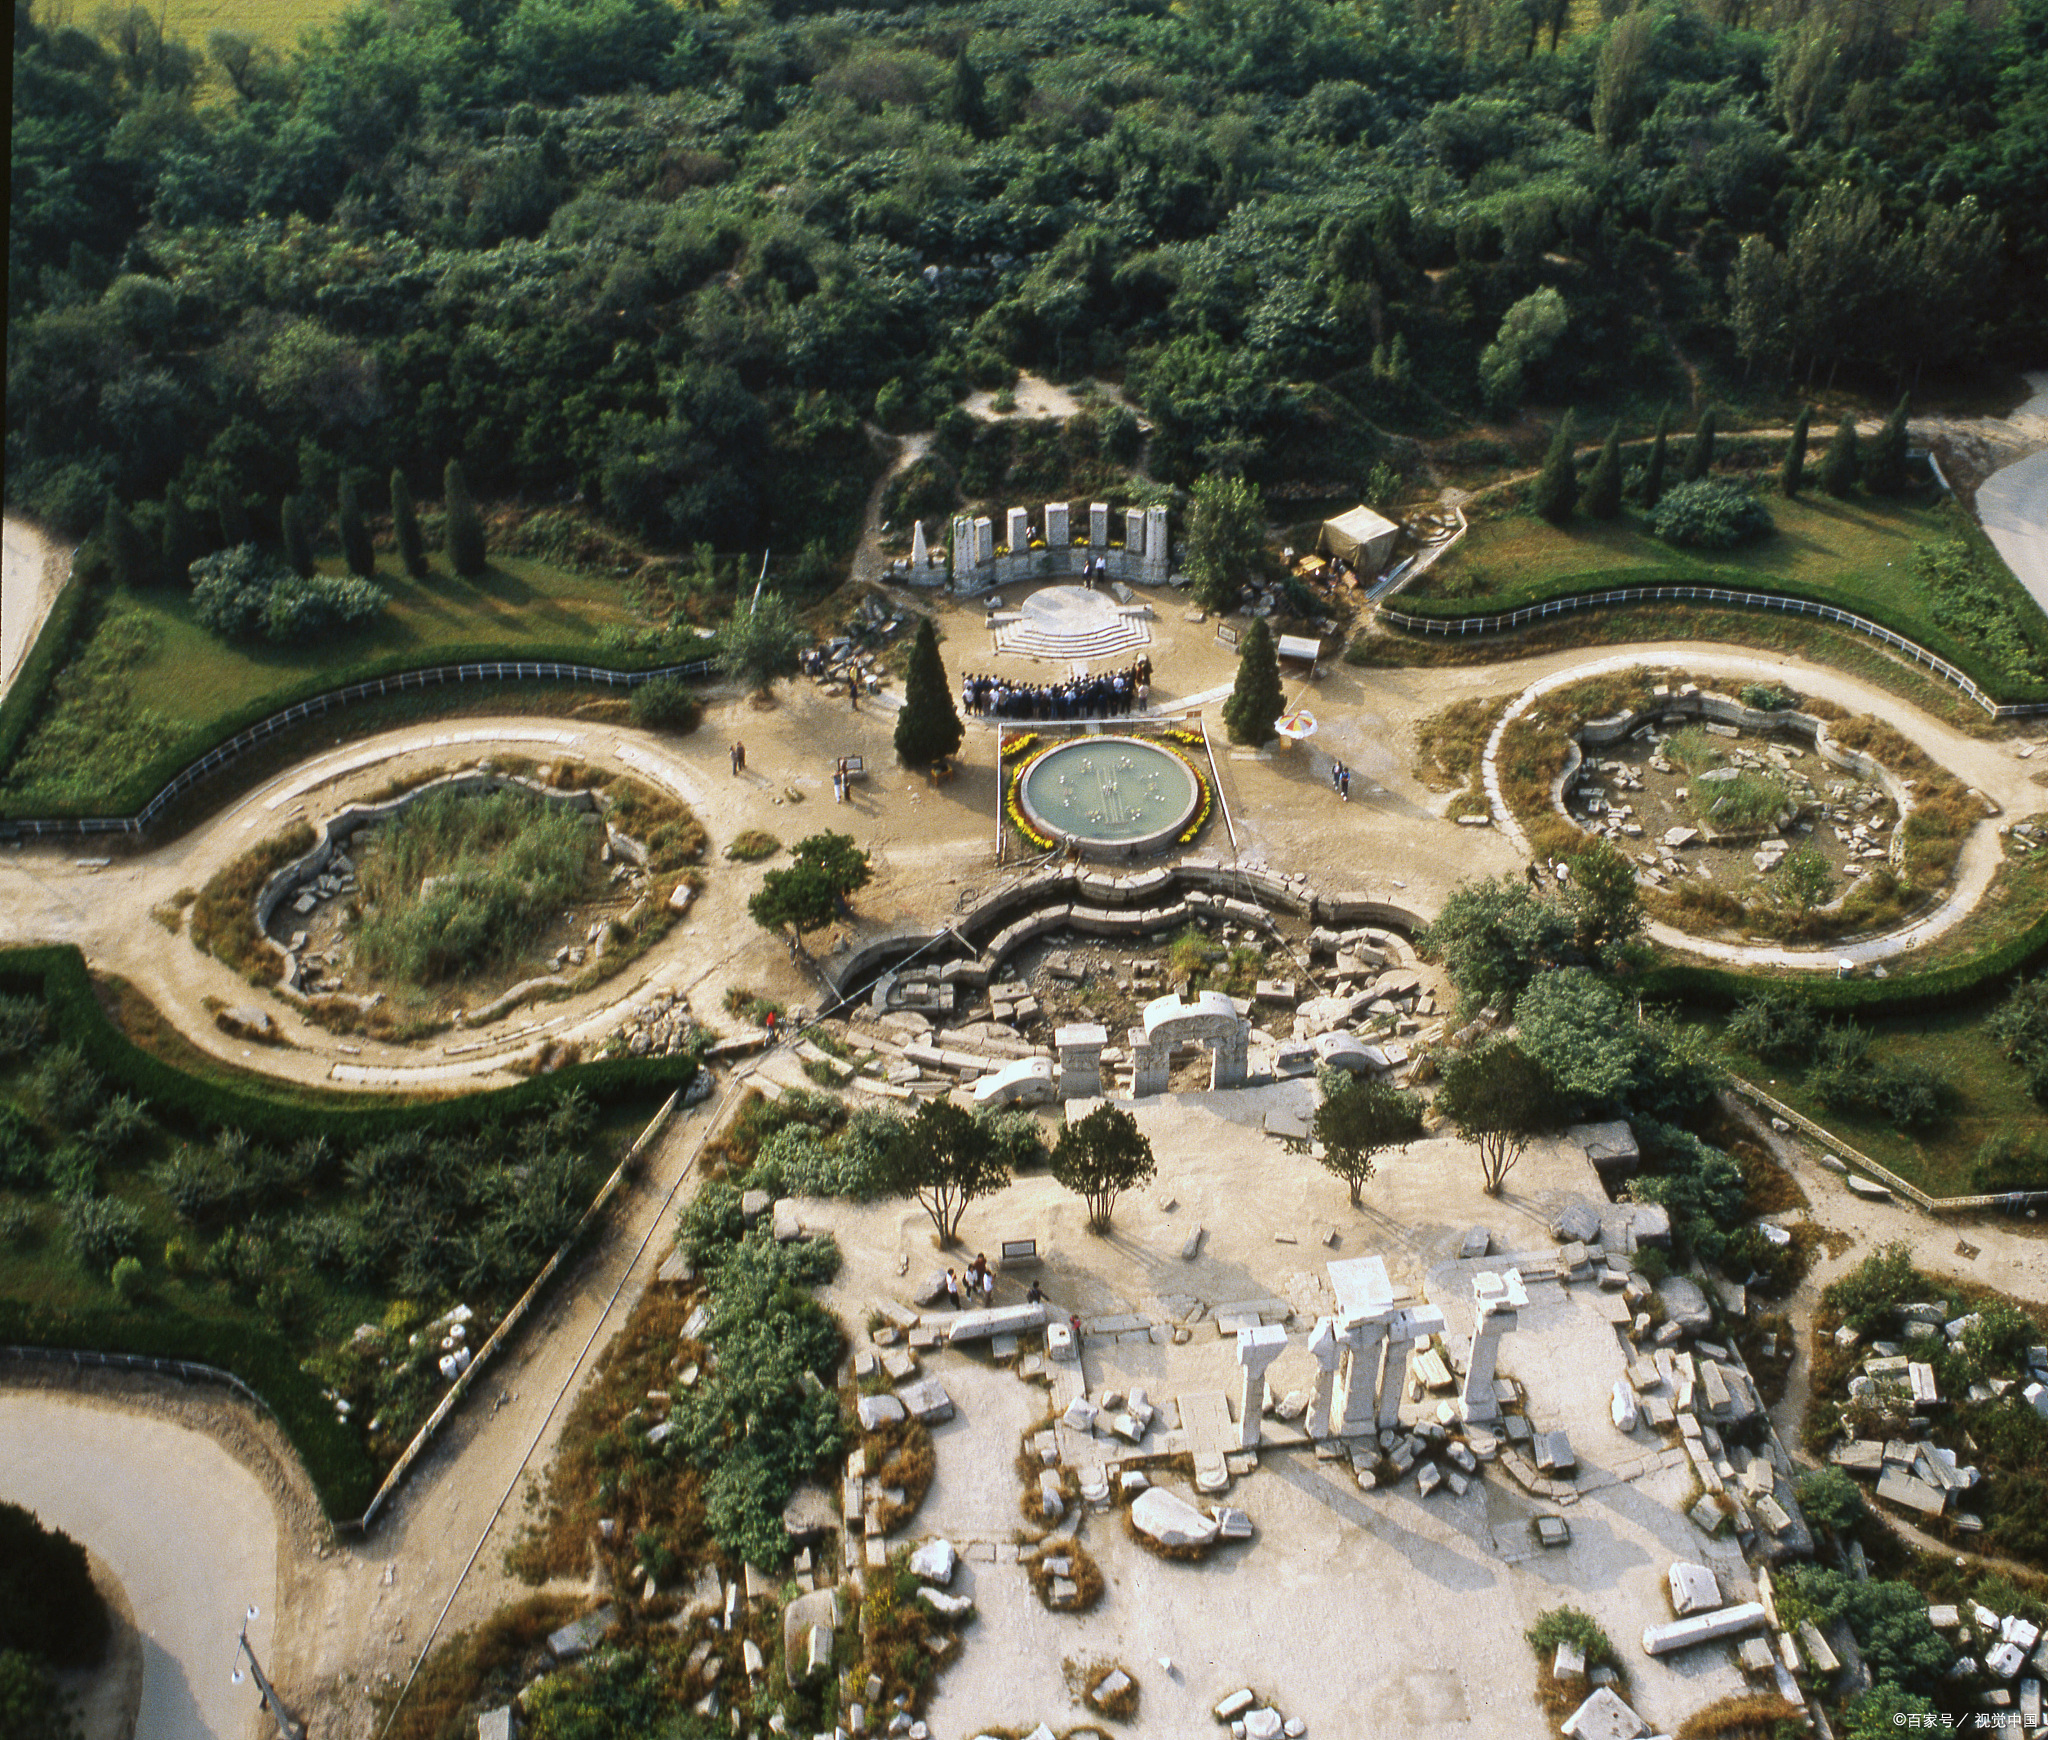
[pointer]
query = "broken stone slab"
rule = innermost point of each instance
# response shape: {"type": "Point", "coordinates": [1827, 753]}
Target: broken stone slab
{"type": "Point", "coordinates": [1235, 1705]}
{"type": "Point", "coordinates": [1263, 1723]}
{"type": "Point", "coordinates": [926, 1400]}
{"type": "Point", "coordinates": [1685, 1305]}
{"type": "Point", "coordinates": [1554, 1453]}
{"type": "Point", "coordinates": [1569, 1663]}
{"type": "Point", "coordinates": [1604, 1716]}
{"type": "Point", "coordinates": [1575, 1224]}
{"type": "Point", "coordinates": [946, 1606]}
{"type": "Point", "coordinates": [934, 1562]}
{"type": "Point", "coordinates": [995, 1320]}
{"type": "Point", "coordinates": [1693, 1589]}
{"type": "Point", "coordinates": [579, 1637]}
{"type": "Point", "coordinates": [1169, 1519]}
{"type": "Point", "coordinates": [1552, 1532]}
{"type": "Point", "coordinates": [878, 1411]}
{"type": "Point", "coordinates": [1232, 1524]}
{"type": "Point", "coordinates": [788, 1227]}
{"type": "Point", "coordinates": [1622, 1407]}
{"type": "Point", "coordinates": [806, 1622]}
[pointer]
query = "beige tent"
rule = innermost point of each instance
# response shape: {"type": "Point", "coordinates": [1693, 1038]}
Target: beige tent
{"type": "Point", "coordinates": [1363, 538]}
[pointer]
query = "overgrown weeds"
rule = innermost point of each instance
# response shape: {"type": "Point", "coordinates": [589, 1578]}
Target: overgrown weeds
{"type": "Point", "coordinates": [224, 914]}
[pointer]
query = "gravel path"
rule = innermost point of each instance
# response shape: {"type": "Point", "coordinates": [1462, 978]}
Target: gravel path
{"type": "Point", "coordinates": [29, 582]}
{"type": "Point", "coordinates": [2012, 503]}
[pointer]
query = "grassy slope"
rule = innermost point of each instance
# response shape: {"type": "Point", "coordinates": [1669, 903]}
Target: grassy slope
{"type": "Point", "coordinates": [276, 24]}
{"type": "Point", "coordinates": [519, 604]}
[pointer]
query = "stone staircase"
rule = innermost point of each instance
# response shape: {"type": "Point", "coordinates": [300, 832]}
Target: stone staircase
{"type": "Point", "coordinates": [1035, 640]}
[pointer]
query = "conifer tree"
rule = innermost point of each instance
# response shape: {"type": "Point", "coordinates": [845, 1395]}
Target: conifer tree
{"type": "Point", "coordinates": [179, 540]}
{"type": "Point", "coordinates": [1839, 465]}
{"type": "Point", "coordinates": [295, 522]}
{"type": "Point", "coordinates": [405, 526]}
{"type": "Point", "coordinates": [465, 526]}
{"type": "Point", "coordinates": [1792, 469]}
{"type": "Point", "coordinates": [1699, 457]}
{"type": "Point", "coordinates": [928, 729]}
{"type": "Point", "coordinates": [236, 527]}
{"type": "Point", "coordinates": [129, 559]}
{"type": "Point", "coordinates": [356, 545]}
{"type": "Point", "coordinates": [1884, 460]}
{"type": "Point", "coordinates": [1556, 488]}
{"type": "Point", "coordinates": [1256, 700]}
{"type": "Point", "coordinates": [1653, 473]}
{"type": "Point", "coordinates": [1602, 497]}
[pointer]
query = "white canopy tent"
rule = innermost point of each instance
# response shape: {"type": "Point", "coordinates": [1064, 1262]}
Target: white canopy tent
{"type": "Point", "coordinates": [1362, 538]}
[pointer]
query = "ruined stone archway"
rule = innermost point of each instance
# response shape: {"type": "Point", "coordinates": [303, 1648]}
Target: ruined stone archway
{"type": "Point", "coordinates": [1210, 1019]}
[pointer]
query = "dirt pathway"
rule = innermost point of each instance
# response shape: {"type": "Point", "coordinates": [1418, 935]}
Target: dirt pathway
{"type": "Point", "coordinates": [2012, 502]}
{"type": "Point", "coordinates": [29, 582]}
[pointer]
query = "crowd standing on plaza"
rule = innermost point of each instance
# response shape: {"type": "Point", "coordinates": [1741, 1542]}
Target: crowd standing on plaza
{"type": "Point", "coordinates": [1104, 695]}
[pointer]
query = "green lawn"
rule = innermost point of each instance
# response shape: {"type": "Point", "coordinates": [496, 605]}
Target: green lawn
{"type": "Point", "coordinates": [1856, 554]}
{"type": "Point", "coordinates": [1994, 1097]}
{"type": "Point", "coordinates": [150, 690]}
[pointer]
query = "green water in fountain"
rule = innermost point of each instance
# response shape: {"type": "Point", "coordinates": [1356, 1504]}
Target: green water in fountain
{"type": "Point", "coordinates": [1111, 790]}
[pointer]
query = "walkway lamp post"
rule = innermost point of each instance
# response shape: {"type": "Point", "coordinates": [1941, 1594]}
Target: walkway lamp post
{"type": "Point", "coordinates": [289, 1727]}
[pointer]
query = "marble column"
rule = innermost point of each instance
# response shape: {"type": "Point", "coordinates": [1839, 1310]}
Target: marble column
{"type": "Point", "coordinates": [1495, 1302]}
{"type": "Point", "coordinates": [1230, 1057]}
{"type": "Point", "coordinates": [1151, 1065]}
{"type": "Point", "coordinates": [1406, 1329]}
{"type": "Point", "coordinates": [1327, 1350]}
{"type": "Point", "coordinates": [1357, 1397]}
{"type": "Point", "coordinates": [1156, 547]}
{"type": "Point", "coordinates": [1256, 1350]}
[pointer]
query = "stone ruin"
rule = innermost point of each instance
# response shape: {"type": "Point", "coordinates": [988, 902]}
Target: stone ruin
{"type": "Point", "coordinates": [1142, 556]}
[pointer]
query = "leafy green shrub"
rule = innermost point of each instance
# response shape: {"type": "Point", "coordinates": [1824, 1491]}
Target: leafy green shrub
{"type": "Point", "coordinates": [1707, 515]}
{"type": "Point", "coordinates": [102, 1228]}
{"type": "Point", "coordinates": [128, 1280]}
{"type": "Point", "coordinates": [1829, 1497]}
{"type": "Point", "coordinates": [1909, 1095]}
{"type": "Point", "coordinates": [800, 1161]}
{"type": "Point", "coordinates": [17, 1225]}
{"type": "Point", "coordinates": [243, 594]}
{"type": "Point", "coordinates": [666, 704]}
{"type": "Point", "coordinates": [1776, 1023]}
{"type": "Point", "coordinates": [48, 1605]}
{"type": "Point", "coordinates": [1865, 1297]}
{"type": "Point", "coordinates": [1889, 1620]}
{"type": "Point", "coordinates": [1698, 1184]}
{"type": "Point", "coordinates": [1556, 1625]}
{"type": "Point", "coordinates": [2019, 1027]}
{"type": "Point", "coordinates": [22, 1165]}
{"type": "Point", "coordinates": [1766, 697]}
{"type": "Point", "coordinates": [1964, 598]}
{"type": "Point", "coordinates": [2010, 1159]}
{"type": "Point", "coordinates": [24, 1025]}
{"type": "Point", "coordinates": [304, 609]}
{"type": "Point", "coordinates": [2000, 1337]}
{"type": "Point", "coordinates": [66, 1089]}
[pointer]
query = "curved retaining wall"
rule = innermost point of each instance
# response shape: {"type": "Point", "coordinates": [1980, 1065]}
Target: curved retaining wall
{"type": "Point", "coordinates": [1098, 903]}
{"type": "Point", "coordinates": [503, 671]}
{"type": "Point", "coordinates": [345, 821]}
{"type": "Point", "coordinates": [1505, 621]}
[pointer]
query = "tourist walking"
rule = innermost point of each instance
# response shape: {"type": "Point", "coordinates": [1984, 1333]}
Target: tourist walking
{"type": "Point", "coordinates": [1344, 783]}
{"type": "Point", "coordinates": [739, 758]}
{"type": "Point", "coordinates": [853, 689]}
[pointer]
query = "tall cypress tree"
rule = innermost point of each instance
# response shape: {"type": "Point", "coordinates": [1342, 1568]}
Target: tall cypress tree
{"type": "Point", "coordinates": [180, 538]}
{"type": "Point", "coordinates": [1602, 497]}
{"type": "Point", "coordinates": [1556, 488]}
{"type": "Point", "coordinates": [1653, 473]}
{"type": "Point", "coordinates": [236, 528]}
{"type": "Point", "coordinates": [1792, 469]}
{"type": "Point", "coordinates": [129, 558]}
{"type": "Point", "coordinates": [1839, 465]}
{"type": "Point", "coordinates": [465, 525]}
{"type": "Point", "coordinates": [1884, 460]}
{"type": "Point", "coordinates": [405, 526]}
{"type": "Point", "coordinates": [1256, 700]}
{"type": "Point", "coordinates": [928, 729]}
{"type": "Point", "coordinates": [356, 545]}
{"type": "Point", "coordinates": [1699, 457]}
{"type": "Point", "coordinates": [295, 522]}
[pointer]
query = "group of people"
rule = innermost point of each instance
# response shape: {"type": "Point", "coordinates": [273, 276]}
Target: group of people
{"type": "Point", "coordinates": [1340, 780]}
{"type": "Point", "coordinates": [978, 1286]}
{"type": "Point", "coordinates": [1100, 696]}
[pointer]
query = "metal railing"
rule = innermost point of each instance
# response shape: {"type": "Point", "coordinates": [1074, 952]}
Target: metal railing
{"type": "Point", "coordinates": [1503, 621]}
{"type": "Point", "coordinates": [187, 1370]}
{"type": "Point", "coordinates": [488, 671]}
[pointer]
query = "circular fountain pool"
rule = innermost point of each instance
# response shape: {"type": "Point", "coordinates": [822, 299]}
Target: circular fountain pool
{"type": "Point", "coordinates": [1115, 796]}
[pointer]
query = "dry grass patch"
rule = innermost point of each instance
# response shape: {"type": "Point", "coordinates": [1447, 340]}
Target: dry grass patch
{"type": "Point", "coordinates": [752, 846]}
{"type": "Point", "coordinates": [1747, 1716]}
{"type": "Point", "coordinates": [478, 1667]}
{"type": "Point", "coordinates": [1082, 1572]}
{"type": "Point", "coordinates": [1085, 1680]}
{"type": "Point", "coordinates": [224, 914]}
{"type": "Point", "coordinates": [601, 1470]}
{"type": "Point", "coordinates": [901, 1458]}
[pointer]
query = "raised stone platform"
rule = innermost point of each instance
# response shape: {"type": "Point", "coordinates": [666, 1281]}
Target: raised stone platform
{"type": "Point", "coordinates": [1074, 625]}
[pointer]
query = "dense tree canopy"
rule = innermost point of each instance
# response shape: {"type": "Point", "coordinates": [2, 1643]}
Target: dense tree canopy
{"type": "Point", "coordinates": [672, 259]}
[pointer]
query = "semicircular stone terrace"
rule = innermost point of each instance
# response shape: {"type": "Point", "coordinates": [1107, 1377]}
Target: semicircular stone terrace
{"type": "Point", "coordinates": [1112, 796]}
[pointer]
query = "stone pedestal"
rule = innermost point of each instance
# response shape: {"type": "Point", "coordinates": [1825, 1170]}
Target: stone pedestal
{"type": "Point", "coordinates": [1080, 1049]}
{"type": "Point", "coordinates": [1098, 525]}
{"type": "Point", "coordinates": [1229, 1056]}
{"type": "Point", "coordinates": [1358, 1385]}
{"type": "Point", "coordinates": [1403, 1332]}
{"type": "Point", "coordinates": [963, 543]}
{"type": "Point", "coordinates": [1018, 531]}
{"type": "Point", "coordinates": [1327, 1351]}
{"type": "Point", "coordinates": [1149, 1065]}
{"type": "Point", "coordinates": [1496, 1300]}
{"type": "Point", "coordinates": [1056, 534]}
{"type": "Point", "coordinates": [1156, 547]}
{"type": "Point", "coordinates": [920, 552]}
{"type": "Point", "coordinates": [1256, 1350]}
{"type": "Point", "coordinates": [984, 540]}
{"type": "Point", "coordinates": [1134, 531]}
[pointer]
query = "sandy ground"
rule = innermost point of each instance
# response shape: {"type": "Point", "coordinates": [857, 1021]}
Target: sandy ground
{"type": "Point", "coordinates": [29, 582]}
{"type": "Point", "coordinates": [2013, 502]}
{"type": "Point", "coordinates": [187, 1530]}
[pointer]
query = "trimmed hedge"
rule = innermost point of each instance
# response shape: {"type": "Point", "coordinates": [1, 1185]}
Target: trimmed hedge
{"type": "Point", "coordinates": [1904, 994]}
{"type": "Point", "coordinates": [58, 974]}
{"type": "Point", "coordinates": [339, 1466]}
{"type": "Point", "coordinates": [150, 777]}
{"type": "Point", "coordinates": [1995, 684]}
{"type": "Point", "coordinates": [51, 653]}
